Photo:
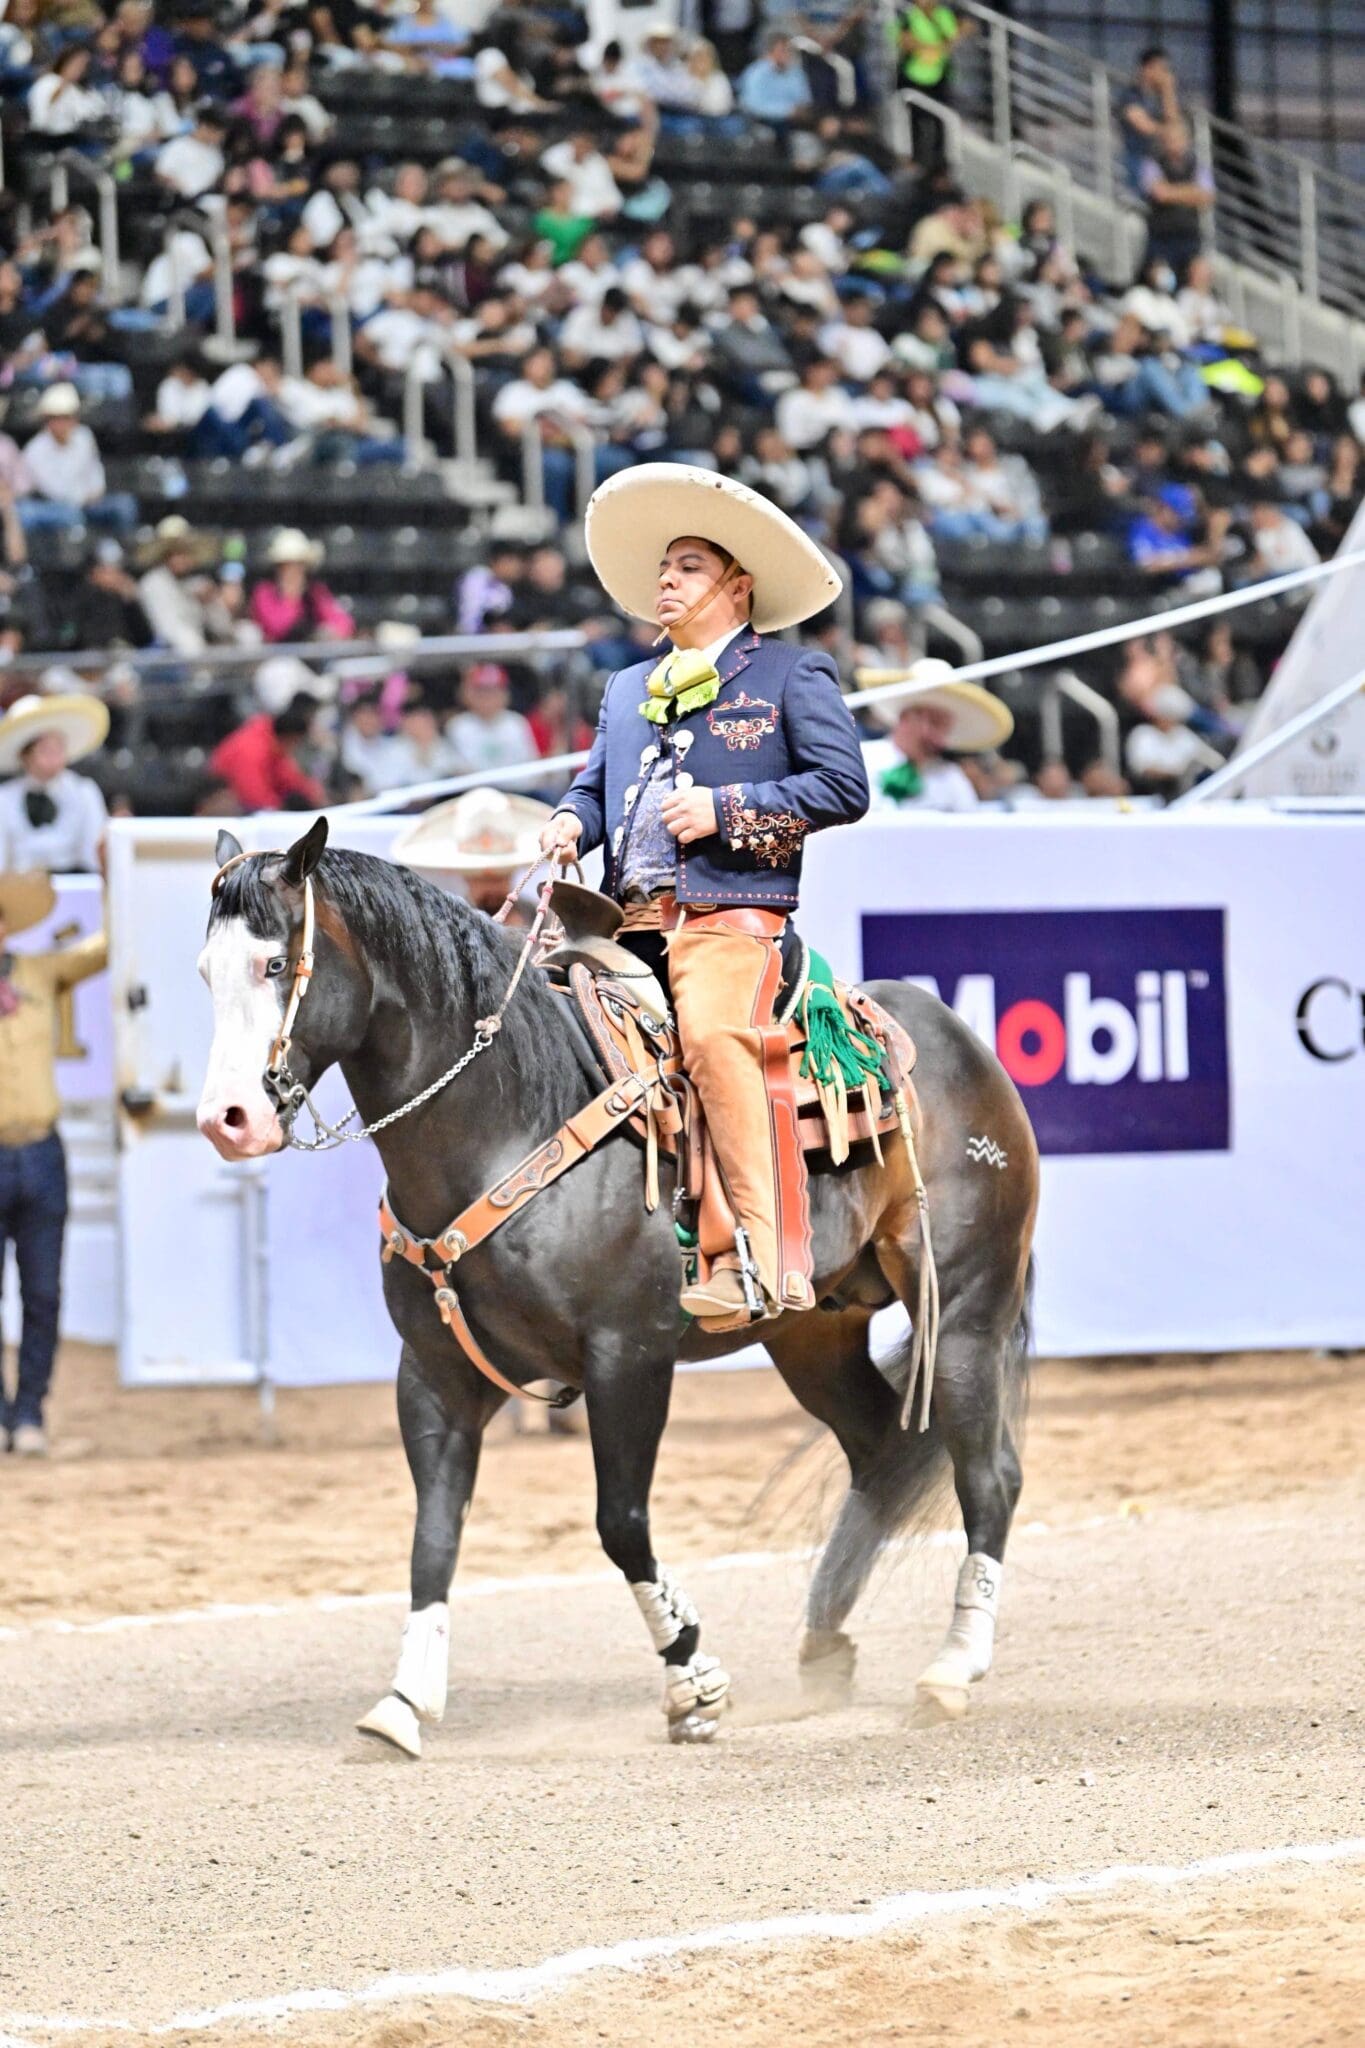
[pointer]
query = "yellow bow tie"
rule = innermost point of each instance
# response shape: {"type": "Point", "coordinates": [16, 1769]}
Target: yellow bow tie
{"type": "Point", "coordinates": [685, 681]}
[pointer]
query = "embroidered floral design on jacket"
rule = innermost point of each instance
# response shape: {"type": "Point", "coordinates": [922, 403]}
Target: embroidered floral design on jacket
{"type": "Point", "coordinates": [772, 837]}
{"type": "Point", "coordinates": [739, 733]}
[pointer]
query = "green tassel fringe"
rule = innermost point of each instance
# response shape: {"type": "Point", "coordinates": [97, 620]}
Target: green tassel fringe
{"type": "Point", "coordinates": [833, 1046]}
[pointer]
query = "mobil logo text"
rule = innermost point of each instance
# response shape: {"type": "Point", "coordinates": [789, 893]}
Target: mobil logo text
{"type": "Point", "coordinates": [1112, 1023]}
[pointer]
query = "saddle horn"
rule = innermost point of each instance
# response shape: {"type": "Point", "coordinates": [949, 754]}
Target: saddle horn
{"type": "Point", "coordinates": [584, 913]}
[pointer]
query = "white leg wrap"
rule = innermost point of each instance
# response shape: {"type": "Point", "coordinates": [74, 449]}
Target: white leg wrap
{"type": "Point", "coordinates": [700, 1686]}
{"type": "Point", "coordinates": [665, 1607]}
{"type": "Point", "coordinates": [423, 1674]}
{"type": "Point", "coordinates": [970, 1643]}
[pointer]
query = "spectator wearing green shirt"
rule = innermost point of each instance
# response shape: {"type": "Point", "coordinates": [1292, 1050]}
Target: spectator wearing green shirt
{"type": "Point", "coordinates": [926, 39]}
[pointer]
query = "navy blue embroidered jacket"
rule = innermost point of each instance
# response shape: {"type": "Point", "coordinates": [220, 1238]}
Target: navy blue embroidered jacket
{"type": "Point", "coordinates": [777, 745]}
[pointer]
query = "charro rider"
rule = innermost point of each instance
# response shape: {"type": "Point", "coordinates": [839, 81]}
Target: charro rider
{"type": "Point", "coordinates": [710, 768]}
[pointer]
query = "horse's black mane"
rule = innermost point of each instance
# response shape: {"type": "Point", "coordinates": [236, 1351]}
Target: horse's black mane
{"type": "Point", "coordinates": [435, 948]}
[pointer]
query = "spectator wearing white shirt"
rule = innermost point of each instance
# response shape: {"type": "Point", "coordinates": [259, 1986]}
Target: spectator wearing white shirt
{"type": "Point", "coordinates": [608, 333]}
{"type": "Point", "coordinates": [715, 96]}
{"type": "Point", "coordinates": [1163, 753]}
{"type": "Point", "coordinates": [396, 216]}
{"type": "Point", "coordinates": [193, 164]}
{"type": "Point", "coordinates": [486, 733]}
{"type": "Point", "coordinates": [590, 273]}
{"type": "Point", "coordinates": [594, 192]}
{"type": "Point", "coordinates": [815, 408]}
{"type": "Point", "coordinates": [1279, 543]}
{"type": "Point", "coordinates": [60, 102]}
{"type": "Point", "coordinates": [457, 214]}
{"type": "Point", "coordinates": [854, 342]}
{"type": "Point", "coordinates": [657, 284]}
{"type": "Point", "coordinates": [501, 88]}
{"type": "Point", "coordinates": [414, 328]}
{"type": "Point", "coordinates": [68, 475]}
{"type": "Point", "coordinates": [337, 204]}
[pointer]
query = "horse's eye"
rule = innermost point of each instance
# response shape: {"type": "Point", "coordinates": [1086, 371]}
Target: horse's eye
{"type": "Point", "coordinates": [276, 966]}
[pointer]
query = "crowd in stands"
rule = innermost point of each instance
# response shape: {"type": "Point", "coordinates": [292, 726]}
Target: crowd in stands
{"type": "Point", "coordinates": [703, 248]}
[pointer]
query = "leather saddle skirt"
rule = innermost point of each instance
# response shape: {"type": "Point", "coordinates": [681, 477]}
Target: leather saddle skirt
{"type": "Point", "coordinates": [626, 1015]}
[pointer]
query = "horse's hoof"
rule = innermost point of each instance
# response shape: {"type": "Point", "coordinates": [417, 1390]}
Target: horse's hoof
{"type": "Point", "coordinates": [393, 1721]}
{"type": "Point", "coordinates": [694, 1728]}
{"type": "Point", "coordinates": [827, 1662]}
{"type": "Point", "coordinates": [935, 1704]}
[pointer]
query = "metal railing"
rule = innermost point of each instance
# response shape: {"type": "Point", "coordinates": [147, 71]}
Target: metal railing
{"type": "Point", "coordinates": [464, 416]}
{"type": "Point", "coordinates": [212, 231]}
{"type": "Point", "coordinates": [1063, 683]}
{"type": "Point", "coordinates": [72, 164]}
{"type": "Point", "coordinates": [1041, 117]}
{"type": "Point", "coordinates": [584, 442]}
{"type": "Point", "coordinates": [291, 328]}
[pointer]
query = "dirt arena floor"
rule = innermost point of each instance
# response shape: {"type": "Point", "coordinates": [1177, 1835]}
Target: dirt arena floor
{"type": "Point", "coordinates": [1150, 1829]}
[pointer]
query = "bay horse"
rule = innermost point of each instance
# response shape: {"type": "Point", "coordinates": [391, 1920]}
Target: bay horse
{"type": "Point", "coordinates": [581, 1286]}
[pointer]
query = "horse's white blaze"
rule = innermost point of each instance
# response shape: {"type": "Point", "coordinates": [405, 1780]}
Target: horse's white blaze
{"type": "Point", "coordinates": [235, 1113]}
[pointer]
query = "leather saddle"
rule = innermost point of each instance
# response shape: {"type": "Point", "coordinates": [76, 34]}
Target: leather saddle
{"type": "Point", "coordinates": [626, 1015]}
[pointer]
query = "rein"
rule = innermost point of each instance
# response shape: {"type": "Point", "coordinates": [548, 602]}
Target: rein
{"type": "Point", "coordinates": [289, 1094]}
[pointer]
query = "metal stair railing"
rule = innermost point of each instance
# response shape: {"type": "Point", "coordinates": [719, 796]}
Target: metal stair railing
{"type": "Point", "coordinates": [69, 163]}
{"type": "Point", "coordinates": [1287, 235]}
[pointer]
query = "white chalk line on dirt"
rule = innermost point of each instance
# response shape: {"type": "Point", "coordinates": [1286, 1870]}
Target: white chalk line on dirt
{"type": "Point", "coordinates": [484, 1589]}
{"type": "Point", "coordinates": [524, 1983]}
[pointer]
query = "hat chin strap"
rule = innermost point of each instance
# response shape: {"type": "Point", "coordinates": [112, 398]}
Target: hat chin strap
{"type": "Point", "coordinates": [722, 582]}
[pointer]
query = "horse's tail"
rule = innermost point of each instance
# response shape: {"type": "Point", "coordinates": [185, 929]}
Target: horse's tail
{"type": "Point", "coordinates": [903, 1490]}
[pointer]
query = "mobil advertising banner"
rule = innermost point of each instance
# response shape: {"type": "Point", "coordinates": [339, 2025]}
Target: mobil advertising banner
{"type": "Point", "coordinates": [1111, 1023]}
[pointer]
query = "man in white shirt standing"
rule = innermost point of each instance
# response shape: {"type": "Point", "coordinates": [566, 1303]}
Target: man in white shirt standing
{"type": "Point", "coordinates": [51, 818]}
{"type": "Point", "coordinates": [907, 769]}
{"type": "Point", "coordinates": [487, 734]}
{"type": "Point", "coordinates": [67, 472]}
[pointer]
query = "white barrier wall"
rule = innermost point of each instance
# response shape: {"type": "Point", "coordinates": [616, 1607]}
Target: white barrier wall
{"type": "Point", "coordinates": [1179, 998]}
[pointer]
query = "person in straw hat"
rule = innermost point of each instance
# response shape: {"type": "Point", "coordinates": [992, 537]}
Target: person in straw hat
{"type": "Point", "coordinates": [51, 818]}
{"type": "Point", "coordinates": [928, 714]}
{"type": "Point", "coordinates": [712, 765]}
{"type": "Point", "coordinates": [32, 1160]}
{"type": "Point", "coordinates": [175, 594]}
{"type": "Point", "coordinates": [488, 837]}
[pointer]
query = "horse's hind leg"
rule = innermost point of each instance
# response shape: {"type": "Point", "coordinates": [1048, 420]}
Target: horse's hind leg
{"type": "Point", "coordinates": [971, 1403]}
{"type": "Point", "coordinates": [627, 1401]}
{"type": "Point", "coordinates": [825, 1361]}
{"type": "Point", "coordinates": [442, 1436]}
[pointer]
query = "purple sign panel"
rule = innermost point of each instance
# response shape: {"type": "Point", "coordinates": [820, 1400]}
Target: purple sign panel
{"type": "Point", "coordinates": [1111, 1023]}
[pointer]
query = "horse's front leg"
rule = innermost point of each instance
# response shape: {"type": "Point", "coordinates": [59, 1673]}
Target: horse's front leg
{"type": "Point", "coordinates": [627, 1399]}
{"type": "Point", "coordinates": [442, 1436]}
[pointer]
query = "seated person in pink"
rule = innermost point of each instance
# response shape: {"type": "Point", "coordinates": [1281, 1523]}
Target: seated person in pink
{"type": "Point", "coordinates": [293, 603]}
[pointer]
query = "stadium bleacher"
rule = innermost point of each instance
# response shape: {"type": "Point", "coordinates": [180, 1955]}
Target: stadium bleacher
{"type": "Point", "coordinates": [1068, 527]}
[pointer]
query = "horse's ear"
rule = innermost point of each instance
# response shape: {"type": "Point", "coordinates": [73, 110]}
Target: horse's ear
{"type": "Point", "coordinates": [227, 848]}
{"type": "Point", "coordinates": [304, 855]}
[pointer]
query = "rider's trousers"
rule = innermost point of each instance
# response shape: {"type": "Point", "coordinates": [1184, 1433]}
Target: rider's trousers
{"type": "Point", "coordinates": [725, 968]}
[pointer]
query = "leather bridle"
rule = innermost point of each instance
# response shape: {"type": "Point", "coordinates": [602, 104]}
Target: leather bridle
{"type": "Point", "coordinates": [288, 1093]}
{"type": "Point", "coordinates": [284, 1091]}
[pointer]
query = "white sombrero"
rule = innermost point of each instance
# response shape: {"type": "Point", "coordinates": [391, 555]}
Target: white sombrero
{"type": "Point", "coordinates": [83, 723]}
{"type": "Point", "coordinates": [484, 832]}
{"type": "Point", "coordinates": [979, 720]}
{"type": "Point", "coordinates": [634, 516]}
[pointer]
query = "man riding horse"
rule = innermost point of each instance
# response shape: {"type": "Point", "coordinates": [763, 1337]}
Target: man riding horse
{"type": "Point", "coordinates": [709, 769]}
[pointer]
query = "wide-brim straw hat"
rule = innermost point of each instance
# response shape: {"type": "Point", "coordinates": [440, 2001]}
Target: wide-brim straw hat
{"type": "Point", "coordinates": [635, 515]}
{"type": "Point", "coordinates": [83, 723]}
{"type": "Point", "coordinates": [485, 831]}
{"type": "Point", "coordinates": [25, 900]}
{"type": "Point", "coordinates": [175, 536]}
{"type": "Point", "coordinates": [291, 544]}
{"type": "Point", "coordinates": [979, 720]}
